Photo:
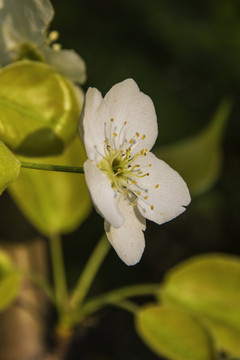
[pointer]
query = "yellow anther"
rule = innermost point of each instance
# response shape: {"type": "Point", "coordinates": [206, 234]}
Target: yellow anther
{"type": "Point", "coordinates": [145, 197]}
{"type": "Point", "coordinates": [146, 150]}
{"type": "Point", "coordinates": [130, 141]}
{"type": "Point", "coordinates": [125, 123]}
{"type": "Point", "coordinates": [121, 151]}
{"type": "Point", "coordinates": [140, 172]}
{"type": "Point", "coordinates": [157, 186]}
{"type": "Point", "coordinates": [134, 204]}
{"type": "Point", "coordinates": [143, 137]}
{"type": "Point", "coordinates": [147, 174]}
{"type": "Point", "coordinates": [137, 134]}
{"type": "Point", "coordinates": [112, 119]}
{"type": "Point", "coordinates": [133, 182]}
{"type": "Point", "coordinates": [53, 35]}
{"type": "Point", "coordinates": [105, 141]}
{"type": "Point", "coordinates": [124, 192]}
{"type": "Point", "coordinates": [152, 207]}
{"type": "Point", "coordinates": [57, 47]}
{"type": "Point", "coordinates": [150, 165]}
{"type": "Point", "coordinates": [115, 134]}
{"type": "Point", "coordinates": [138, 193]}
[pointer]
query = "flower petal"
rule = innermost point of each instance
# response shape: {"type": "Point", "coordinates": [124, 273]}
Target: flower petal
{"type": "Point", "coordinates": [93, 119]}
{"type": "Point", "coordinates": [128, 240]}
{"type": "Point", "coordinates": [104, 197]}
{"type": "Point", "coordinates": [22, 21]}
{"type": "Point", "coordinates": [165, 191]}
{"type": "Point", "coordinates": [126, 103]}
{"type": "Point", "coordinates": [66, 62]}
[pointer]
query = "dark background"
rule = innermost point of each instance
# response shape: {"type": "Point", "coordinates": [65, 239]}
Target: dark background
{"type": "Point", "coordinates": [186, 56]}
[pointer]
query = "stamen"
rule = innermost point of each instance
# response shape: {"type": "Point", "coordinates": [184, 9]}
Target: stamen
{"type": "Point", "coordinates": [115, 134]}
{"type": "Point", "coordinates": [150, 165]}
{"type": "Point", "coordinates": [112, 119]}
{"type": "Point", "coordinates": [143, 137]}
{"type": "Point", "coordinates": [152, 207]}
{"type": "Point", "coordinates": [157, 186]}
{"type": "Point", "coordinates": [137, 134]}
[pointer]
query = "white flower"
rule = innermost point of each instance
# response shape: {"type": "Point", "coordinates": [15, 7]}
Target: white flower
{"type": "Point", "coordinates": [23, 34]}
{"type": "Point", "coordinates": [127, 183]}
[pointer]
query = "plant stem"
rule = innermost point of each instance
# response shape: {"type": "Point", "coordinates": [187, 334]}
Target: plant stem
{"type": "Point", "coordinates": [59, 276]}
{"type": "Point", "coordinates": [116, 297]}
{"type": "Point", "coordinates": [48, 167]}
{"type": "Point", "coordinates": [87, 276]}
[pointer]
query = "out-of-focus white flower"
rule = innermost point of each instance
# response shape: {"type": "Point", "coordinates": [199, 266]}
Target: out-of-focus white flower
{"type": "Point", "coordinates": [23, 34]}
{"type": "Point", "coordinates": [127, 183]}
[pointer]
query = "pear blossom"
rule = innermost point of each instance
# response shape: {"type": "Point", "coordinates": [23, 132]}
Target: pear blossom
{"type": "Point", "coordinates": [24, 35]}
{"type": "Point", "coordinates": [126, 181]}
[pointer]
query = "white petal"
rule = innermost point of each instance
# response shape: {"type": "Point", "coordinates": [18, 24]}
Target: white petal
{"type": "Point", "coordinates": [93, 119]}
{"type": "Point", "coordinates": [128, 240]}
{"type": "Point", "coordinates": [166, 190]}
{"type": "Point", "coordinates": [22, 21]}
{"type": "Point", "coordinates": [127, 103]}
{"type": "Point", "coordinates": [103, 196]}
{"type": "Point", "coordinates": [66, 62]}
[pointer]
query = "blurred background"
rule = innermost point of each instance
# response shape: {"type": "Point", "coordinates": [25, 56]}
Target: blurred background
{"type": "Point", "coordinates": [186, 56]}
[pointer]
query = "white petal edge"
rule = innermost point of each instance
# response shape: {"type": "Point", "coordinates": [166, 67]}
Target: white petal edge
{"type": "Point", "coordinates": [93, 118]}
{"type": "Point", "coordinates": [66, 62]}
{"type": "Point", "coordinates": [128, 240]}
{"type": "Point", "coordinates": [167, 192]}
{"type": "Point", "coordinates": [103, 196]}
{"type": "Point", "coordinates": [127, 103]}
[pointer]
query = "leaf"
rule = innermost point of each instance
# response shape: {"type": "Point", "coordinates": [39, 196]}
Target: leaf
{"type": "Point", "coordinates": [10, 281]}
{"type": "Point", "coordinates": [208, 284]}
{"type": "Point", "coordinates": [39, 109]}
{"type": "Point", "coordinates": [173, 333]}
{"type": "Point", "coordinates": [226, 337]}
{"type": "Point", "coordinates": [9, 289]}
{"type": "Point", "coordinates": [9, 167]}
{"type": "Point", "coordinates": [199, 159]}
{"type": "Point", "coordinates": [56, 202]}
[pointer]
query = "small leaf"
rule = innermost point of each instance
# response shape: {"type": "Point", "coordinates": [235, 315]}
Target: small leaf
{"type": "Point", "coordinates": [10, 281]}
{"type": "Point", "coordinates": [173, 333]}
{"type": "Point", "coordinates": [39, 109]}
{"type": "Point", "coordinates": [9, 167]}
{"type": "Point", "coordinates": [9, 289]}
{"type": "Point", "coordinates": [199, 159]}
{"type": "Point", "coordinates": [56, 202]}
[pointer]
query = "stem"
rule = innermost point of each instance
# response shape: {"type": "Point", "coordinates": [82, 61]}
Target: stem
{"type": "Point", "coordinates": [89, 272]}
{"type": "Point", "coordinates": [59, 277]}
{"type": "Point", "coordinates": [48, 167]}
{"type": "Point", "coordinates": [116, 297]}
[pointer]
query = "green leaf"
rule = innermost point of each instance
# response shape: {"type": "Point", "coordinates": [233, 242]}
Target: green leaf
{"type": "Point", "coordinates": [9, 289]}
{"type": "Point", "coordinates": [226, 338]}
{"type": "Point", "coordinates": [10, 281]}
{"type": "Point", "coordinates": [56, 202]}
{"type": "Point", "coordinates": [199, 159]}
{"type": "Point", "coordinates": [39, 109]}
{"type": "Point", "coordinates": [209, 285]}
{"type": "Point", "coordinates": [9, 167]}
{"type": "Point", "coordinates": [173, 333]}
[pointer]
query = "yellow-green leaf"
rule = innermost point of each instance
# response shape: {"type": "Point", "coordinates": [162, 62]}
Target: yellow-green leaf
{"type": "Point", "coordinates": [54, 202]}
{"type": "Point", "coordinates": [39, 109]}
{"type": "Point", "coordinates": [208, 284]}
{"type": "Point", "coordinates": [199, 159]}
{"type": "Point", "coordinates": [9, 167]}
{"type": "Point", "coordinates": [173, 333]}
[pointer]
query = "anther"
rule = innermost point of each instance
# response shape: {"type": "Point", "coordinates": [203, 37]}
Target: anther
{"type": "Point", "coordinates": [133, 182]}
{"type": "Point", "coordinates": [150, 165]}
{"type": "Point", "coordinates": [145, 197]}
{"type": "Point", "coordinates": [143, 137]}
{"type": "Point", "coordinates": [152, 207]}
{"type": "Point", "coordinates": [125, 123]}
{"type": "Point", "coordinates": [157, 186]}
{"type": "Point", "coordinates": [131, 141]}
{"type": "Point", "coordinates": [115, 134]}
{"type": "Point", "coordinates": [137, 134]}
{"type": "Point", "coordinates": [112, 119]}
